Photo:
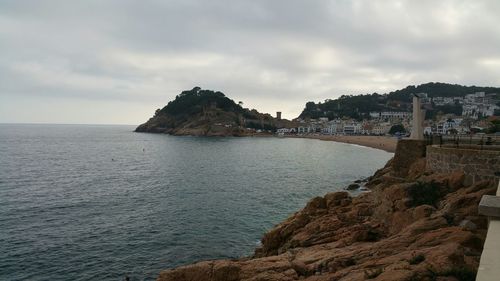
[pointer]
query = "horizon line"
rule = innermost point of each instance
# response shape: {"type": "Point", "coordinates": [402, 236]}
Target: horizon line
{"type": "Point", "coordinates": [47, 123]}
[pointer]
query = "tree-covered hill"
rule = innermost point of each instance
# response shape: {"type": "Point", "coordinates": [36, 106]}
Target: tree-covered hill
{"type": "Point", "coordinates": [360, 106]}
{"type": "Point", "coordinates": [436, 89]}
{"type": "Point", "coordinates": [351, 106]}
{"type": "Point", "coordinates": [196, 100]}
{"type": "Point", "coordinates": [206, 112]}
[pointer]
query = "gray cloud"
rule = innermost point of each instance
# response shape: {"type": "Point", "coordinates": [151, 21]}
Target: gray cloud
{"type": "Point", "coordinates": [89, 56]}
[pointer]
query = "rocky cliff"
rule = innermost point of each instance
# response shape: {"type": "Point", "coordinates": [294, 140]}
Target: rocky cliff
{"type": "Point", "coordinates": [207, 113]}
{"type": "Point", "coordinates": [419, 226]}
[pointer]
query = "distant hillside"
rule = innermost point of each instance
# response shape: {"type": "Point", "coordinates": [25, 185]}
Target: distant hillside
{"type": "Point", "coordinates": [208, 113]}
{"type": "Point", "coordinates": [439, 90]}
{"type": "Point", "coordinates": [359, 106]}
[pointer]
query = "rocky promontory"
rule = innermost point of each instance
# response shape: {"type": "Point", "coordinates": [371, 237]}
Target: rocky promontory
{"type": "Point", "coordinates": [416, 226]}
{"type": "Point", "coordinates": [201, 112]}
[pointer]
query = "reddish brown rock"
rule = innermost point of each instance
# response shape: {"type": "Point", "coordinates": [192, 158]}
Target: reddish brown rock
{"type": "Point", "coordinates": [417, 169]}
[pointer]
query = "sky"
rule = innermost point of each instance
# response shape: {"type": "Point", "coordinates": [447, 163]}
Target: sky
{"type": "Point", "coordinates": [116, 62]}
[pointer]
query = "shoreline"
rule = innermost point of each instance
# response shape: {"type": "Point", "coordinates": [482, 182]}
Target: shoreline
{"type": "Point", "coordinates": [385, 143]}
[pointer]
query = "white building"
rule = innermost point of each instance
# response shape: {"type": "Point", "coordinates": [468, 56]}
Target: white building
{"type": "Point", "coordinates": [488, 109]}
{"type": "Point", "coordinates": [444, 127]}
{"type": "Point", "coordinates": [352, 128]}
{"type": "Point", "coordinates": [282, 131]}
{"type": "Point", "coordinates": [474, 98]}
{"type": "Point", "coordinates": [427, 130]}
{"type": "Point", "coordinates": [394, 115]}
{"type": "Point", "coordinates": [302, 130]}
{"type": "Point", "coordinates": [335, 126]}
{"type": "Point", "coordinates": [440, 101]}
{"type": "Point", "coordinates": [474, 110]}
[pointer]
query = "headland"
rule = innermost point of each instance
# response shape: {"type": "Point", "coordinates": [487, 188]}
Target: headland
{"type": "Point", "coordinates": [198, 112]}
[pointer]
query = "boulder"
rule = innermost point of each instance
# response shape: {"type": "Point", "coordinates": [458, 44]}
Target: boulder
{"type": "Point", "coordinates": [335, 198]}
{"type": "Point", "coordinates": [315, 204]}
{"type": "Point", "coordinates": [423, 211]}
{"type": "Point", "coordinates": [352, 186]}
{"type": "Point", "coordinates": [468, 225]}
{"type": "Point", "coordinates": [301, 268]}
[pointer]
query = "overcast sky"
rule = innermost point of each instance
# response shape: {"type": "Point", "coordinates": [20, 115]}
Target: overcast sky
{"type": "Point", "coordinates": [115, 62]}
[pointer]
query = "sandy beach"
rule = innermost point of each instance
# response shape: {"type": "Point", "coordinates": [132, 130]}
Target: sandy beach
{"type": "Point", "coordinates": [380, 142]}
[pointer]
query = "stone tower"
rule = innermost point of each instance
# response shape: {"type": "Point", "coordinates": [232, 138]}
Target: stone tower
{"type": "Point", "coordinates": [417, 132]}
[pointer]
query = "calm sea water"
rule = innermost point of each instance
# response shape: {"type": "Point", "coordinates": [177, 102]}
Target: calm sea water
{"type": "Point", "coordinates": [82, 202]}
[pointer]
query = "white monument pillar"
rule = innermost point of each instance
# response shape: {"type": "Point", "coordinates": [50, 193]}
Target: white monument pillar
{"type": "Point", "coordinates": [417, 132]}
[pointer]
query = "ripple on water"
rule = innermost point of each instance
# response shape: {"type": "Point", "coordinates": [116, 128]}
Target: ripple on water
{"type": "Point", "coordinates": [68, 211]}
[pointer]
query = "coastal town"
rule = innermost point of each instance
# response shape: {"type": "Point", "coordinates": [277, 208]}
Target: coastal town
{"type": "Point", "coordinates": [479, 111]}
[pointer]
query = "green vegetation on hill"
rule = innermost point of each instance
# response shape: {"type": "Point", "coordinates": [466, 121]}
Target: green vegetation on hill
{"type": "Point", "coordinates": [439, 90]}
{"type": "Point", "coordinates": [443, 109]}
{"type": "Point", "coordinates": [206, 112]}
{"type": "Point", "coordinates": [196, 100]}
{"type": "Point", "coordinates": [359, 106]}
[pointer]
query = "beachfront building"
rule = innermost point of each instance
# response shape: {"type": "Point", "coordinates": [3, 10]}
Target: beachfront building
{"type": "Point", "coordinates": [367, 128]}
{"type": "Point", "coordinates": [329, 130]}
{"type": "Point", "coordinates": [286, 131]}
{"type": "Point", "coordinates": [382, 128]}
{"type": "Point", "coordinates": [352, 128]}
{"type": "Point", "coordinates": [282, 131]}
{"type": "Point", "coordinates": [303, 130]}
{"type": "Point", "coordinates": [335, 126]}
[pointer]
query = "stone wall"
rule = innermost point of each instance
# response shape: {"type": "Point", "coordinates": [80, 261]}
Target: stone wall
{"type": "Point", "coordinates": [408, 151]}
{"type": "Point", "coordinates": [488, 268]}
{"type": "Point", "coordinates": [476, 164]}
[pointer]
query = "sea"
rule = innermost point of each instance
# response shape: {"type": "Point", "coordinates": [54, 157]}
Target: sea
{"type": "Point", "coordinates": [101, 202]}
